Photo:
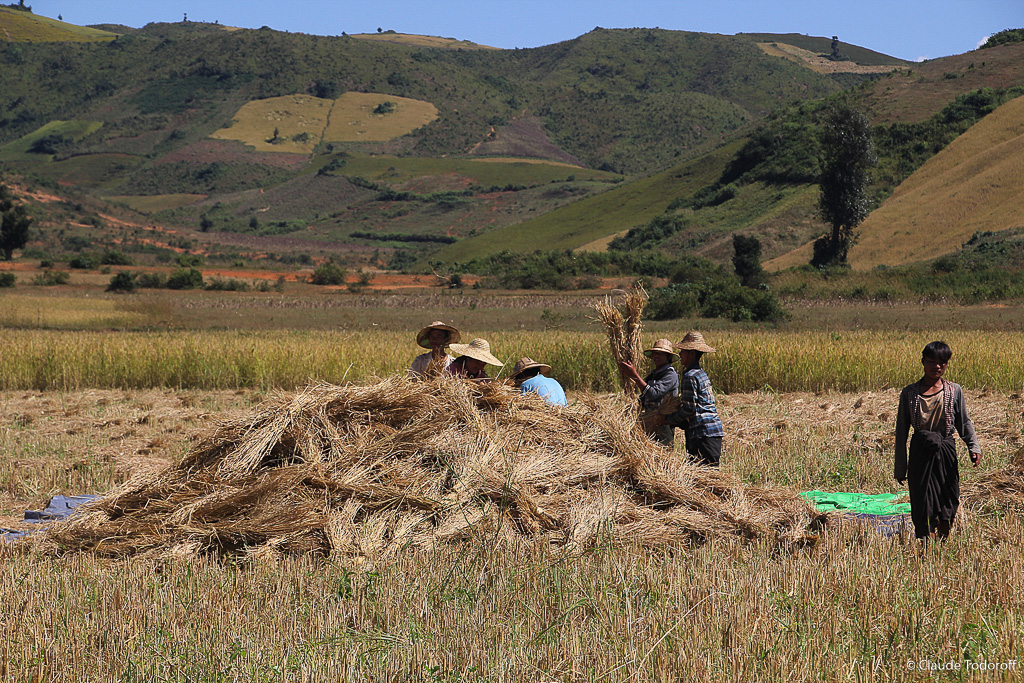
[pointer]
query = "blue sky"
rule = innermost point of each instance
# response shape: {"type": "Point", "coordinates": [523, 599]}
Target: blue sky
{"type": "Point", "coordinates": [909, 29]}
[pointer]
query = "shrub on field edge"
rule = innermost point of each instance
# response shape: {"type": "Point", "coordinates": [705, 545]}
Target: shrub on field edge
{"type": "Point", "coordinates": [49, 278]}
{"type": "Point", "coordinates": [85, 262]}
{"type": "Point", "coordinates": [151, 280]}
{"type": "Point", "coordinates": [329, 273]}
{"type": "Point", "coordinates": [124, 281]}
{"type": "Point", "coordinates": [185, 278]}
{"type": "Point", "coordinates": [8, 279]}
{"type": "Point", "coordinates": [112, 257]}
{"type": "Point", "coordinates": [714, 298]}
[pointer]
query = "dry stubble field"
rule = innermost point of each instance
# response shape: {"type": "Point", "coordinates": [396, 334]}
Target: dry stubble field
{"type": "Point", "coordinates": [856, 606]}
{"type": "Point", "coordinates": [84, 406]}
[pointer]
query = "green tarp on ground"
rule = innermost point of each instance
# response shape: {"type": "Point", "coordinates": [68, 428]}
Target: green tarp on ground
{"type": "Point", "coordinates": [858, 503]}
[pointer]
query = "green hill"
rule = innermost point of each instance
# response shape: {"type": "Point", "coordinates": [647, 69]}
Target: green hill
{"type": "Point", "coordinates": [646, 138]}
{"type": "Point", "coordinates": [767, 187]}
{"type": "Point", "coordinates": [585, 221]}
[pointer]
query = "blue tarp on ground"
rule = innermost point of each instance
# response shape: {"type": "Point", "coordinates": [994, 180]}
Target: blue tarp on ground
{"type": "Point", "coordinates": [59, 507]}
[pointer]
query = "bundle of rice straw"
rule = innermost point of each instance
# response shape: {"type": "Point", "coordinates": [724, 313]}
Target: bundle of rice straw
{"type": "Point", "coordinates": [366, 471]}
{"type": "Point", "coordinates": [625, 327]}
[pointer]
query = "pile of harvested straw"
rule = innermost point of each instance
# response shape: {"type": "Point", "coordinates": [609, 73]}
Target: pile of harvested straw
{"type": "Point", "coordinates": [364, 471]}
{"type": "Point", "coordinates": [625, 327]}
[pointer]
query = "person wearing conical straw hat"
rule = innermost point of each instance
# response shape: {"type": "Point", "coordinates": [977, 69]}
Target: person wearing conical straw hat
{"type": "Point", "coordinates": [435, 336]}
{"type": "Point", "coordinates": [473, 359]}
{"type": "Point", "coordinates": [529, 375]}
{"type": "Point", "coordinates": [661, 383]}
{"type": "Point", "coordinates": [697, 413]}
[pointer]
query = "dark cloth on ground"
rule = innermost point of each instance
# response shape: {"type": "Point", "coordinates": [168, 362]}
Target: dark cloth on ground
{"type": "Point", "coordinates": [59, 507]}
{"type": "Point", "coordinates": [933, 477]}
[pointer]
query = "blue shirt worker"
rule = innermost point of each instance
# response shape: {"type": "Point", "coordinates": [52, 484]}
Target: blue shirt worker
{"type": "Point", "coordinates": [529, 375]}
{"type": "Point", "coordinates": [660, 384]}
{"type": "Point", "coordinates": [697, 413]}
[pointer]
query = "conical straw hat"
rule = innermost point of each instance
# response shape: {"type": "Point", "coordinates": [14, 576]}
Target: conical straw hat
{"type": "Point", "coordinates": [662, 345]}
{"type": "Point", "coordinates": [478, 349]}
{"type": "Point", "coordinates": [694, 341]}
{"type": "Point", "coordinates": [453, 334]}
{"type": "Point", "coordinates": [525, 364]}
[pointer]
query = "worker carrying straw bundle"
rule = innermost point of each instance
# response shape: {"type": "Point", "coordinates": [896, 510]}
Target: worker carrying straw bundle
{"type": "Point", "coordinates": [697, 413]}
{"type": "Point", "coordinates": [661, 383]}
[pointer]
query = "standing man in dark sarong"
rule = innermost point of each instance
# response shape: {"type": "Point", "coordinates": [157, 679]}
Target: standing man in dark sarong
{"type": "Point", "coordinates": [934, 407]}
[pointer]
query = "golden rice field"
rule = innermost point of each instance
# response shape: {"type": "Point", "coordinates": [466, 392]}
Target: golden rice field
{"type": "Point", "coordinates": [746, 360]}
{"type": "Point", "coordinates": [298, 119]}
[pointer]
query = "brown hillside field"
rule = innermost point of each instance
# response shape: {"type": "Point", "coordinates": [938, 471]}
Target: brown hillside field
{"type": "Point", "coordinates": [352, 118]}
{"type": "Point", "coordinates": [290, 116]}
{"type": "Point", "coordinates": [915, 94]}
{"type": "Point", "coordinates": [818, 63]}
{"type": "Point", "coordinates": [523, 137]}
{"type": "Point", "coordinates": [973, 184]}
{"type": "Point", "coordinates": [422, 41]}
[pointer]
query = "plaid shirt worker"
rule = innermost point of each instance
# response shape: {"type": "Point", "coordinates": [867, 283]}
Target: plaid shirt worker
{"type": "Point", "coordinates": [697, 413]}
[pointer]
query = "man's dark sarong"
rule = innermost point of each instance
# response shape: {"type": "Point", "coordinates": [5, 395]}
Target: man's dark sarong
{"type": "Point", "coordinates": [933, 477]}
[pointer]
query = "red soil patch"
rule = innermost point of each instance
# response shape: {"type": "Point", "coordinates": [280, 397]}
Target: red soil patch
{"type": "Point", "coordinates": [523, 137]}
{"type": "Point", "coordinates": [231, 151]}
{"type": "Point", "coordinates": [19, 266]}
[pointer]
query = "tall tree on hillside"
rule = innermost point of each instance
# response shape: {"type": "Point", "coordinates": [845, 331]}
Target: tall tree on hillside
{"type": "Point", "coordinates": [848, 154]}
{"type": "Point", "coordinates": [14, 224]}
{"type": "Point", "coordinates": [746, 259]}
